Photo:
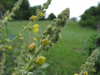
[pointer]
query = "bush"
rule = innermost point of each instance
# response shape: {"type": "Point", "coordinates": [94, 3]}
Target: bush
{"type": "Point", "coordinates": [91, 17]}
{"type": "Point", "coordinates": [90, 46]}
{"type": "Point", "coordinates": [90, 23]}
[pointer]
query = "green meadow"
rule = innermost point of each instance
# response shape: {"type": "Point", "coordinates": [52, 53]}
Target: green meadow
{"type": "Point", "coordinates": [65, 57]}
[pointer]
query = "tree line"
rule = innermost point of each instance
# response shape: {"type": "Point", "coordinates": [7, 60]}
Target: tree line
{"type": "Point", "coordinates": [24, 12]}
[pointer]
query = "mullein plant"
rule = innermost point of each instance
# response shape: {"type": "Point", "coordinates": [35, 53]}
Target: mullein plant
{"type": "Point", "coordinates": [88, 66]}
{"type": "Point", "coordinates": [33, 19]}
{"type": "Point", "coordinates": [50, 36]}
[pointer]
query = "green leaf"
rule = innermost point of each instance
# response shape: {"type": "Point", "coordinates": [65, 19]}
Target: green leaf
{"type": "Point", "coordinates": [44, 66]}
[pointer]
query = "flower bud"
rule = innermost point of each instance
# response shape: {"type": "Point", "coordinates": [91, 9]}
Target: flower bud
{"type": "Point", "coordinates": [31, 67]}
{"type": "Point", "coordinates": [32, 18]}
{"type": "Point", "coordinates": [49, 29]}
{"type": "Point", "coordinates": [40, 60]}
{"type": "Point", "coordinates": [19, 35]}
{"type": "Point", "coordinates": [45, 42]}
{"type": "Point", "coordinates": [44, 33]}
{"type": "Point", "coordinates": [32, 46]}
{"type": "Point", "coordinates": [85, 73]}
{"type": "Point", "coordinates": [41, 15]}
{"type": "Point", "coordinates": [10, 47]}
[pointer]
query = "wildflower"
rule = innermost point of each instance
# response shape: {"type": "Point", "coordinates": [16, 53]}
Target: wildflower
{"type": "Point", "coordinates": [5, 39]}
{"type": "Point", "coordinates": [40, 60]}
{"type": "Point", "coordinates": [45, 42]}
{"type": "Point", "coordinates": [75, 74]}
{"type": "Point", "coordinates": [10, 47]}
{"type": "Point", "coordinates": [32, 46]}
{"type": "Point", "coordinates": [0, 63]}
{"type": "Point", "coordinates": [31, 67]}
{"type": "Point", "coordinates": [35, 29]}
{"type": "Point", "coordinates": [41, 14]}
{"type": "Point", "coordinates": [26, 59]}
{"type": "Point", "coordinates": [21, 47]}
{"type": "Point", "coordinates": [6, 18]}
{"type": "Point", "coordinates": [34, 39]}
{"type": "Point", "coordinates": [85, 73]}
{"type": "Point", "coordinates": [14, 69]}
{"type": "Point", "coordinates": [32, 18]}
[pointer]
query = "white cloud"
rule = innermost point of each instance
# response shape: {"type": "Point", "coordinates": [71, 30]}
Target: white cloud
{"type": "Point", "coordinates": [77, 7]}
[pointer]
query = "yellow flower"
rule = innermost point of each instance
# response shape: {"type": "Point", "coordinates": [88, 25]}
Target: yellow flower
{"type": "Point", "coordinates": [5, 39]}
{"type": "Point", "coordinates": [32, 18]}
{"type": "Point", "coordinates": [10, 47]}
{"type": "Point", "coordinates": [6, 18]}
{"type": "Point", "coordinates": [32, 46]}
{"type": "Point", "coordinates": [27, 55]}
{"type": "Point", "coordinates": [26, 59]}
{"type": "Point", "coordinates": [31, 67]}
{"type": "Point", "coordinates": [75, 74]}
{"type": "Point", "coordinates": [34, 39]}
{"type": "Point", "coordinates": [21, 47]}
{"type": "Point", "coordinates": [45, 42]}
{"type": "Point", "coordinates": [85, 73]}
{"type": "Point", "coordinates": [21, 64]}
{"type": "Point", "coordinates": [41, 14]}
{"type": "Point", "coordinates": [35, 28]}
{"type": "Point", "coordinates": [14, 69]}
{"type": "Point", "coordinates": [0, 63]}
{"type": "Point", "coordinates": [40, 60]}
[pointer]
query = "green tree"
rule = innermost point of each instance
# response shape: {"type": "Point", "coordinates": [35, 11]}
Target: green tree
{"type": "Point", "coordinates": [33, 9]}
{"type": "Point", "coordinates": [51, 16]}
{"type": "Point", "coordinates": [23, 11]}
{"type": "Point", "coordinates": [7, 4]}
{"type": "Point", "coordinates": [91, 17]}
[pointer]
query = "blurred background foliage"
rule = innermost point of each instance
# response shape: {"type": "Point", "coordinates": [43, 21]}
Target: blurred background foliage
{"type": "Point", "coordinates": [24, 12]}
{"type": "Point", "coordinates": [91, 17]}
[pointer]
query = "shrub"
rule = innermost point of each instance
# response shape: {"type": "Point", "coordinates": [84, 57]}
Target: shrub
{"type": "Point", "coordinates": [91, 17]}
{"type": "Point", "coordinates": [90, 46]}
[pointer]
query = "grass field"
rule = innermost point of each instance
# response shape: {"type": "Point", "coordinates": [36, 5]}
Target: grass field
{"type": "Point", "coordinates": [65, 57]}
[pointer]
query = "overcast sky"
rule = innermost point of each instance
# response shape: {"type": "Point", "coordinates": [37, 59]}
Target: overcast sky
{"type": "Point", "coordinates": [77, 7]}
